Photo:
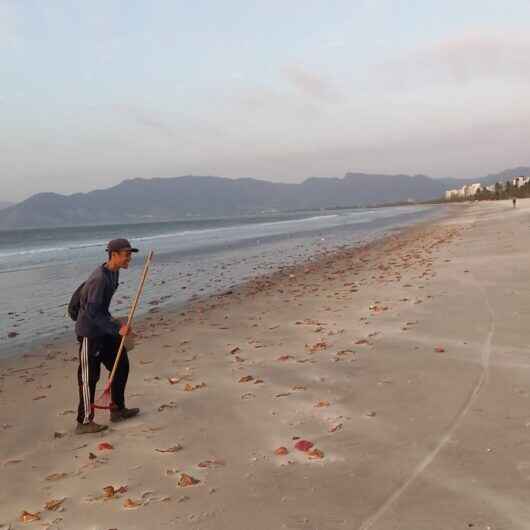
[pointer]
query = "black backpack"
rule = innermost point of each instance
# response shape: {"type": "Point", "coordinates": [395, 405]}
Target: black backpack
{"type": "Point", "coordinates": [75, 303]}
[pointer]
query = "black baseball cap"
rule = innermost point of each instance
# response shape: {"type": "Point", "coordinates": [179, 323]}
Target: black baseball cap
{"type": "Point", "coordinates": [120, 244]}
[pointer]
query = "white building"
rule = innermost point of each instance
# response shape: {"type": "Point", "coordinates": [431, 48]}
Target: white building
{"type": "Point", "coordinates": [451, 194]}
{"type": "Point", "coordinates": [517, 182]}
{"type": "Point", "coordinates": [465, 192]}
{"type": "Point", "coordinates": [473, 189]}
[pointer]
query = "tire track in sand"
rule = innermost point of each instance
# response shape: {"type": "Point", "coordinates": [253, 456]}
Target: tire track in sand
{"type": "Point", "coordinates": [429, 458]}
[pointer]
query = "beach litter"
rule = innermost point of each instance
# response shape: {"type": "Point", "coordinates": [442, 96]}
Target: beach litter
{"type": "Point", "coordinates": [190, 388]}
{"type": "Point", "coordinates": [56, 476]}
{"type": "Point", "coordinates": [28, 517]}
{"type": "Point", "coordinates": [172, 449]}
{"type": "Point", "coordinates": [54, 504]}
{"type": "Point", "coordinates": [207, 464]}
{"type": "Point", "coordinates": [186, 481]}
{"type": "Point", "coordinates": [303, 445]}
{"type": "Point", "coordinates": [130, 504]}
{"type": "Point", "coordinates": [110, 492]}
{"type": "Point", "coordinates": [315, 454]}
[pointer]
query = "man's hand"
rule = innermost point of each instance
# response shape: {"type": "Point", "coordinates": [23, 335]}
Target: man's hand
{"type": "Point", "coordinates": [125, 330]}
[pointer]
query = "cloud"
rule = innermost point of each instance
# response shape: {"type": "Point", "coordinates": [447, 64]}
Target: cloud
{"type": "Point", "coordinates": [272, 107]}
{"type": "Point", "coordinates": [310, 83]}
{"type": "Point", "coordinates": [9, 24]}
{"type": "Point", "coordinates": [469, 57]}
{"type": "Point", "coordinates": [335, 44]}
{"type": "Point", "coordinates": [144, 118]}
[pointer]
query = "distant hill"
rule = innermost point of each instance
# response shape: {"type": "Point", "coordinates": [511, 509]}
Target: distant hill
{"type": "Point", "coordinates": [138, 200]}
{"type": "Point", "coordinates": [492, 178]}
{"type": "Point", "coordinates": [4, 204]}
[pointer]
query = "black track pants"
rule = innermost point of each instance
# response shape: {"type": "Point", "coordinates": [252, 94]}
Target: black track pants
{"type": "Point", "coordinates": [92, 353]}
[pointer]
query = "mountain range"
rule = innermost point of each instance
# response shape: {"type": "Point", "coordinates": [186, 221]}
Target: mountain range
{"type": "Point", "coordinates": [156, 199]}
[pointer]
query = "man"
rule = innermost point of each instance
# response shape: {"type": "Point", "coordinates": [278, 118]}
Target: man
{"type": "Point", "coordinates": [99, 336]}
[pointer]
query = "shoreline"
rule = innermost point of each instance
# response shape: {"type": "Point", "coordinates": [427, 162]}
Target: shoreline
{"type": "Point", "coordinates": [404, 363]}
{"type": "Point", "coordinates": [65, 339]}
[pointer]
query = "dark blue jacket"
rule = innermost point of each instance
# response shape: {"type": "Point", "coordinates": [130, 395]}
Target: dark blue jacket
{"type": "Point", "coordinates": [94, 318]}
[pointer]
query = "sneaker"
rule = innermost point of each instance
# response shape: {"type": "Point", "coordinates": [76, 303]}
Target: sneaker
{"type": "Point", "coordinates": [90, 428]}
{"type": "Point", "coordinates": [123, 414]}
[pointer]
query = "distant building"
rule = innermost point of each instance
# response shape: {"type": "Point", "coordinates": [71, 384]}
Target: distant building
{"type": "Point", "coordinates": [451, 194]}
{"type": "Point", "coordinates": [518, 182]}
{"type": "Point", "coordinates": [465, 192]}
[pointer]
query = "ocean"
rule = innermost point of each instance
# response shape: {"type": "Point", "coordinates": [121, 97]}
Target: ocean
{"type": "Point", "coordinates": [40, 268]}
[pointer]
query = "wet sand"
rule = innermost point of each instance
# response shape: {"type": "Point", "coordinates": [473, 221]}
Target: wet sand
{"type": "Point", "coordinates": [404, 363]}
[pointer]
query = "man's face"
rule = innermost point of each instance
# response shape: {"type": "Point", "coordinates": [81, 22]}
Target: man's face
{"type": "Point", "coordinates": [123, 258]}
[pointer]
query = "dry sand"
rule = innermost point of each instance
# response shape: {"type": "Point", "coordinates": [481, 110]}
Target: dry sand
{"type": "Point", "coordinates": [405, 363]}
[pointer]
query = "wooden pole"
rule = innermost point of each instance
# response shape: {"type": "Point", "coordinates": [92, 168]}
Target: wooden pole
{"type": "Point", "coordinates": [131, 314]}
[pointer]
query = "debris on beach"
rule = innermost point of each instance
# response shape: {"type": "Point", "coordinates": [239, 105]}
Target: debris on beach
{"type": "Point", "coordinates": [28, 517]}
{"type": "Point", "coordinates": [54, 504]}
{"type": "Point", "coordinates": [130, 504]}
{"type": "Point", "coordinates": [207, 464]}
{"type": "Point", "coordinates": [376, 308]}
{"type": "Point", "coordinates": [281, 451]}
{"type": "Point", "coordinates": [299, 387]}
{"type": "Point", "coordinates": [341, 353]}
{"type": "Point", "coordinates": [170, 405]}
{"type": "Point", "coordinates": [56, 476]}
{"type": "Point", "coordinates": [172, 449]}
{"type": "Point", "coordinates": [186, 480]}
{"type": "Point", "coordinates": [303, 445]}
{"type": "Point", "coordinates": [105, 446]}
{"type": "Point", "coordinates": [190, 388]}
{"type": "Point", "coordinates": [110, 492]}
{"type": "Point", "coordinates": [318, 346]}
{"type": "Point", "coordinates": [246, 379]}
{"type": "Point", "coordinates": [12, 461]}
{"type": "Point", "coordinates": [439, 349]}
{"type": "Point", "coordinates": [321, 404]}
{"type": "Point", "coordinates": [315, 454]}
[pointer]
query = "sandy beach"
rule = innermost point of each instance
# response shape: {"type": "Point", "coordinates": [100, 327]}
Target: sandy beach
{"type": "Point", "coordinates": [385, 387]}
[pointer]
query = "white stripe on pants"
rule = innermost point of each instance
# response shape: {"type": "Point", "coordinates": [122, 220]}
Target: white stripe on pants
{"type": "Point", "coordinates": [85, 377]}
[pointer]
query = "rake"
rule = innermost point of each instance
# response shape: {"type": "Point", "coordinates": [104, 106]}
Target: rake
{"type": "Point", "coordinates": [105, 400]}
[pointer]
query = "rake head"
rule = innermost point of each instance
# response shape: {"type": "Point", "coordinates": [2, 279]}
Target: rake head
{"type": "Point", "coordinates": [104, 401]}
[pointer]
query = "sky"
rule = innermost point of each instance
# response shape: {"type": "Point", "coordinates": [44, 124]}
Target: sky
{"type": "Point", "coordinates": [92, 93]}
